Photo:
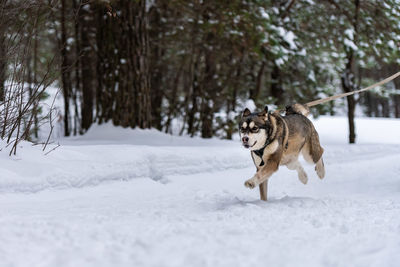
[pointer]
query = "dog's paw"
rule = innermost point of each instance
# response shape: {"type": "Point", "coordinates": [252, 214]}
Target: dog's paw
{"type": "Point", "coordinates": [250, 184]}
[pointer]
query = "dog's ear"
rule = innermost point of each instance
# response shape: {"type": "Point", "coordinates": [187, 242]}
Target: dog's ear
{"type": "Point", "coordinates": [264, 114]}
{"type": "Point", "coordinates": [246, 112]}
{"type": "Point", "coordinates": [267, 117]}
{"type": "Point", "coordinates": [265, 111]}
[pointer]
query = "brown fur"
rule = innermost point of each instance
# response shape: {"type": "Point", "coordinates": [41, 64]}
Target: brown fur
{"type": "Point", "coordinates": [297, 109]}
{"type": "Point", "coordinates": [288, 136]}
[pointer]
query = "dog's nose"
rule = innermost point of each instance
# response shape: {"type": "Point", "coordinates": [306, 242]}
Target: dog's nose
{"type": "Point", "coordinates": [245, 139]}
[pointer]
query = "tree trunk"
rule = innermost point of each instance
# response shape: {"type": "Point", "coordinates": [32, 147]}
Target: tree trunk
{"type": "Point", "coordinates": [35, 81]}
{"type": "Point", "coordinates": [109, 70]}
{"type": "Point", "coordinates": [32, 83]}
{"type": "Point", "coordinates": [351, 106]}
{"type": "Point", "coordinates": [65, 73]}
{"type": "Point", "coordinates": [77, 68]}
{"type": "Point", "coordinates": [396, 97]}
{"type": "Point", "coordinates": [254, 94]}
{"type": "Point", "coordinates": [348, 83]}
{"type": "Point", "coordinates": [396, 100]}
{"type": "Point", "coordinates": [141, 65]}
{"type": "Point", "coordinates": [173, 99]}
{"type": "Point", "coordinates": [191, 112]}
{"type": "Point", "coordinates": [3, 60]}
{"type": "Point", "coordinates": [385, 107]}
{"type": "Point", "coordinates": [231, 99]}
{"type": "Point", "coordinates": [159, 67]}
{"type": "Point", "coordinates": [88, 84]}
{"type": "Point", "coordinates": [123, 76]}
{"type": "Point", "coordinates": [368, 103]}
{"type": "Point", "coordinates": [348, 86]}
{"type": "Point", "coordinates": [208, 90]}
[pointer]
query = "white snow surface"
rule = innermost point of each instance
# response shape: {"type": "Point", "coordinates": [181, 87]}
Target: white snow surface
{"type": "Point", "coordinates": [123, 197]}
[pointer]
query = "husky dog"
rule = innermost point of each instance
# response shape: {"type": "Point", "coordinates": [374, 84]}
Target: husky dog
{"type": "Point", "coordinates": [276, 140]}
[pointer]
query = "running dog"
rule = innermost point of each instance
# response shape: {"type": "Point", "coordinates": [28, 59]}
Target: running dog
{"type": "Point", "coordinates": [276, 140]}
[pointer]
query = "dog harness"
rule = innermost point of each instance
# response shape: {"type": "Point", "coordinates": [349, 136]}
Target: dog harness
{"type": "Point", "coordinates": [260, 152]}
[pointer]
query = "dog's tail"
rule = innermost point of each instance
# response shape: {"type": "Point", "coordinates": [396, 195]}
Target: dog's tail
{"type": "Point", "coordinates": [297, 109]}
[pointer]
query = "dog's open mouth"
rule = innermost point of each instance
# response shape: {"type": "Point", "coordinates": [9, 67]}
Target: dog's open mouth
{"type": "Point", "coordinates": [247, 145]}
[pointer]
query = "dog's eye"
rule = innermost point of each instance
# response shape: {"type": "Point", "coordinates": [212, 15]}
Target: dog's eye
{"type": "Point", "coordinates": [255, 129]}
{"type": "Point", "coordinates": [242, 129]}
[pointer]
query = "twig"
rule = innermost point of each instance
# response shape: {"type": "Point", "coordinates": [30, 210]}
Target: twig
{"type": "Point", "coordinates": [52, 150]}
{"type": "Point", "coordinates": [50, 121]}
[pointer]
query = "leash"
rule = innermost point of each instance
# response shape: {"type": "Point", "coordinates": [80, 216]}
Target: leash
{"type": "Point", "coordinates": [327, 99]}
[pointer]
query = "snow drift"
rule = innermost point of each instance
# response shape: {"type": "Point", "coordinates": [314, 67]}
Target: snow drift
{"type": "Point", "coordinates": [122, 197]}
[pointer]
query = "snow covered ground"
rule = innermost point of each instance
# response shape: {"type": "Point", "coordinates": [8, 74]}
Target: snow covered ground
{"type": "Point", "coordinates": [120, 197]}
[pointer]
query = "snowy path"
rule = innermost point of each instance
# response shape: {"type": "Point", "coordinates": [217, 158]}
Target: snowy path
{"type": "Point", "coordinates": [195, 211]}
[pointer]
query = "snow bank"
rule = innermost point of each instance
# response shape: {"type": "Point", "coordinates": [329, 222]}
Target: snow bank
{"type": "Point", "coordinates": [107, 153]}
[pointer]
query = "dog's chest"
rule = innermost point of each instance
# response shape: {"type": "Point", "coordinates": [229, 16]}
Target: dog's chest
{"type": "Point", "coordinates": [259, 156]}
{"type": "Point", "coordinates": [258, 161]}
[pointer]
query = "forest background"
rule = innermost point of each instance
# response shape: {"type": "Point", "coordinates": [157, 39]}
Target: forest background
{"type": "Point", "coordinates": [190, 67]}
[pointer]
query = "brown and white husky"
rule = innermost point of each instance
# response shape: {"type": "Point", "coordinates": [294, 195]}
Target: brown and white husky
{"type": "Point", "coordinates": [276, 140]}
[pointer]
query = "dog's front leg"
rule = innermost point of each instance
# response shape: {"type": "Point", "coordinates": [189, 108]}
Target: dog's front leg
{"type": "Point", "coordinates": [262, 174]}
{"type": "Point", "coordinates": [264, 190]}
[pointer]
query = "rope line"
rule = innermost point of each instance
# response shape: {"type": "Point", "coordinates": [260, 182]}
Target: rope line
{"type": "Point", "coordinates": [327, 99]}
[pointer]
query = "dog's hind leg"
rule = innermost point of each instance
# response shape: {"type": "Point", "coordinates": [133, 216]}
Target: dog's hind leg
{"type": "Point", "coordinates": [312, 153]}
{"type": "Point", "coordinates": [320, 168]}
{"type": "Point", "coordinates": [295, 165]}
{"type": "Point", "coordinates": [264, 190]}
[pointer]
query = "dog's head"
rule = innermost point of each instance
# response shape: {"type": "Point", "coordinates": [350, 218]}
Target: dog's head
{"type": "Point", "coordinates": [254, 128]}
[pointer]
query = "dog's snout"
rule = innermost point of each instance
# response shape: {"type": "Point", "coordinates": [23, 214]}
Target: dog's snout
{"type": "Point", "coordinates": [245, 139]}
